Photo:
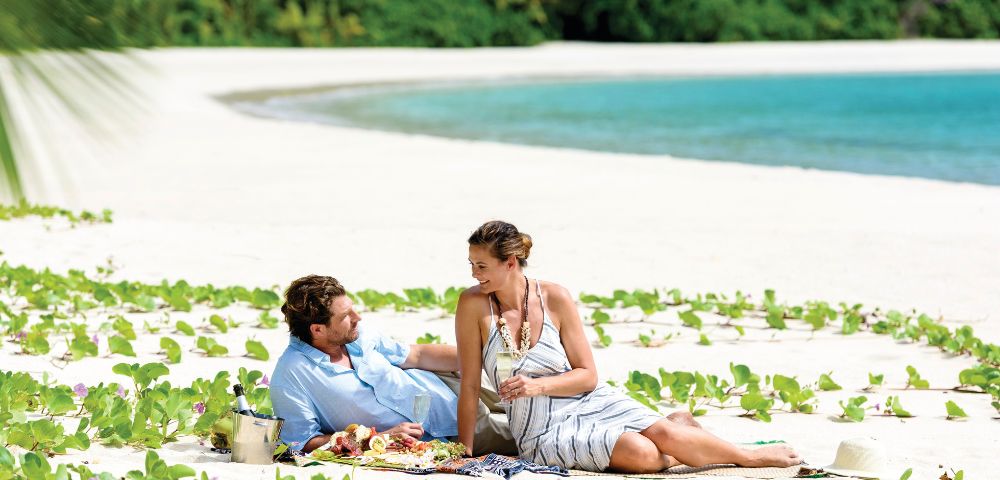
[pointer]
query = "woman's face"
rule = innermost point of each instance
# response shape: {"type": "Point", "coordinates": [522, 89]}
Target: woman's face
{"type": "Point", "coordinates": [486, 269]}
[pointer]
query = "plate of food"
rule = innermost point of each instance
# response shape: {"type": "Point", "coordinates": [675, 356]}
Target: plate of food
{"type": "Point", "coordinates": [361, 445]}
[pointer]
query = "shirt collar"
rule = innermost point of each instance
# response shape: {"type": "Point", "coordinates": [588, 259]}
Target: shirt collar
{"type": "Point", "coordinates": [309, 351]}
{"type": "Point", "coordinates": [317, 355]}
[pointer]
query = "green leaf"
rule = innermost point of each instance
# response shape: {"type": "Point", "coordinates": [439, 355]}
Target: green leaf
{"type": "Point", "coordinates": [266, 320]}
{"type": "Point", "coordinates": [60, 403]}
{"type": "Point", "coordinates": [124, 328]}
{"type": "Point", "coordinates": [604, 338]}
{"type": "Point", "coordinates": [6, 458]}
{"type": "Point", "coordinates": [172, 349]}
{"type": "Point", "coordinates": [185, 328]}
{"type": "Point", "coordinates": [853, 408]}
{"type": "Point", "coordinates": [897, 408]}
{"type": "Point", "coordinates": [875, 380]}
{"type": "Point", "coordinates": [265, 299]}
{"type": "Point", "coordinates": [690, 319]}
{"type": "Point", "coordinates": [827, 384]}
{"type": "Point", "coordinates": [641, 398]}
{"type": "Point", "coordinates": [256, 349]}
{"type": "Point", "coordinates": [915, 381]}
{"type": "Point", "coordinates": [181, 471]}
{"type": "Point", "coordinates": [600, 317]}
{"type": "Point", "coordinates": [704, 340]}
{"type": "Point", "coordinates": [776, 317]}
{"type": "Point", "coordinates": [120, 345]}
{"type": "Point", "coordinates": [219, 323]}
{"type": "Point", "coordinates": [954, 411]}
{"type": "Point", "coordinates": [428, 339]}
{"type": "Point", "coordinates": [906, 474]}
{"type": "Point", "coordinates": [741, 374]}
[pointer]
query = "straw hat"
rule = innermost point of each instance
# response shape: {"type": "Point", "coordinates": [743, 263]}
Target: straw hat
{"type": "Point", "coordinates": [860, 457]}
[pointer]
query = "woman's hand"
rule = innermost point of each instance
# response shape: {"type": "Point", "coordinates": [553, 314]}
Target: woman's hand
{"type": "Point", "coordinates": [520, 386]}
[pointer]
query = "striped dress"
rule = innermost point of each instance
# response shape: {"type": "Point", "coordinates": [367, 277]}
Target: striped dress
{"type": "Point", "coordinates": [575, 432]}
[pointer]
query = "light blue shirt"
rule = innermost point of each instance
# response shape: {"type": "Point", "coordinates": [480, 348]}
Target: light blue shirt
{"type": "Point", "coordinates": [317, 397]}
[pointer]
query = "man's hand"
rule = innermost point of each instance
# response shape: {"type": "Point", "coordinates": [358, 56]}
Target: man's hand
{"type": "Point", "coordinates": [414, 430]}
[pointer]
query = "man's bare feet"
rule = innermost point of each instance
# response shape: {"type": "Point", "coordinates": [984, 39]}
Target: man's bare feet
{"type": "Point", "coordinates": [773, 456]}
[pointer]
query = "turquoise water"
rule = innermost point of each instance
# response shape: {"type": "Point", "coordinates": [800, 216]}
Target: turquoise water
{"type": "Point", "coordinates": [942, 126]}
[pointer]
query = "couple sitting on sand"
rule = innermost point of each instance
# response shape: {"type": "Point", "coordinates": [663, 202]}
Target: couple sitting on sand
{"type": "Point", "coordinates": [336, 372]}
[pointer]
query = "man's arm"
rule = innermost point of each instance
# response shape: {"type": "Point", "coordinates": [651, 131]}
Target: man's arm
{"type": "Point", "coordinates": [435, 358]}
{"type": "Point", "coordinates": [315, 442]}
{"type": "Point", "coordinates": [301, 427]}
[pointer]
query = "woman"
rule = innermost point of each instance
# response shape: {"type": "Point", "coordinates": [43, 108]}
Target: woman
{"type": "Point", "coordinates": [558, 414]}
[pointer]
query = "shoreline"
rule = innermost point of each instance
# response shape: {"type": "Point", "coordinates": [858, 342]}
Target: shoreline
{"type": "Point", "coordinates": [270, 104]}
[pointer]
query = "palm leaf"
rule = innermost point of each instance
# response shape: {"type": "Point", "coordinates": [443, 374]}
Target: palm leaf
{"type": "Point", "coordinates": [51, 53]}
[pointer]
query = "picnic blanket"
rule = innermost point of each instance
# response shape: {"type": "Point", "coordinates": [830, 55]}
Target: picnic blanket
{"type": "Point", "coordinates": [501, 465]}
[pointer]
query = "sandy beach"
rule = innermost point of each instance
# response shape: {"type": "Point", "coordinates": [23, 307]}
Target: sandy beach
{"type": "Point", "coordinates": [204, 192]}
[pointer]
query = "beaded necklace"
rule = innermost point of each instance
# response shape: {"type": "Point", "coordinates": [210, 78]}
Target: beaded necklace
{"type": "Point", "coordinates": [505, 335]}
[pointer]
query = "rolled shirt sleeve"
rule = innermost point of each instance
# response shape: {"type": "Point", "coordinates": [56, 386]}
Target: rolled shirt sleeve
{"type": "Point", "coordinates": [395, 352]}
{"type": "Point", "coordinates": [301, 424]}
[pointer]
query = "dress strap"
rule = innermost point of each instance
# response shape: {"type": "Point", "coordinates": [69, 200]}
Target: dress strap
{"type": "Point", "coordinates": [538, 289]}
{"type": "Point", "coordinates": [491, 310]}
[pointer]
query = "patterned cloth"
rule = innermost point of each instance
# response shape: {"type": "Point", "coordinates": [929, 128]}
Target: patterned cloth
{"type": "Point", "coordinates": [572, 432]}
{"type": "Point", "coordinates": [501, 465]}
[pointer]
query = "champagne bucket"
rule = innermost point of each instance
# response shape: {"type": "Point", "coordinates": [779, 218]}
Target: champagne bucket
{"type": "Point", "coordinates": [254, 439]}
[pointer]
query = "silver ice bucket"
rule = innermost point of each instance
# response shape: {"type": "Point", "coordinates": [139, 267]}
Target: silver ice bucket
{"type": "Point", "coordinates": [254, 439]}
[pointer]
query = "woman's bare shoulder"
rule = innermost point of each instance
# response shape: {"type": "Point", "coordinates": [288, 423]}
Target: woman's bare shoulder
{"type": "Point", "coordinates": [556, 295]}
{"type": "Point", "coordinates": [472, 295]}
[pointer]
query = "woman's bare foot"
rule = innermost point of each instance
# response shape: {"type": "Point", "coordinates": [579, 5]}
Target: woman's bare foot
{"type": "Point", "coordinates": [773, 456]}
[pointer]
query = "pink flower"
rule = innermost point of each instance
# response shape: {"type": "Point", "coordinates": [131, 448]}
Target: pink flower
{"type": "Point", "coordinates": [95, 339]}
{"type": "Point", "coordinates": [199, 407]}
{"type": "Point", "coordinates": [265, 380]}
{"type": "Point", "coordinates": [20, 335]}
{"type": "Point", "coordinates": [878, 407]}
{"type": "Point", "coordinates": [80, 390]}
{"type": "Point", "coordinates": [121, 391]}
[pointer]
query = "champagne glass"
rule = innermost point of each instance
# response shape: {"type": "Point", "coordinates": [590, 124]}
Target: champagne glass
{"type": "Point", "coordinates": [421, 407]}
{"type": "Point", "coordinates": [505, 367]}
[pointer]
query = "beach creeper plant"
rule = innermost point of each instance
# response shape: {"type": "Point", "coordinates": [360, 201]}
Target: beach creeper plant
{"type": "Point", "coordinates": [894, 407]}
{"type": "Point", "coordinates": [210, 347]}
{"type": "Point", "coordinates": [796, 398]}
{"type": "Point", "coordinates": [915, 380]}
{"type": "Point", "coordinates": [24, 209]}
{"type": "Point", "coordinates": [256, 349]}
{"type": "Point", "coordinates": [854, 409]}
{"type": "Point", "coordinates": [954, 411]}
{"type": "Point", "coordinates": [428, 338]}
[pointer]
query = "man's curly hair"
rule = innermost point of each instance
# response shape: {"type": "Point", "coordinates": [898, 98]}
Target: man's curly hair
{"type": "Point", "coordinates": [307, 302]}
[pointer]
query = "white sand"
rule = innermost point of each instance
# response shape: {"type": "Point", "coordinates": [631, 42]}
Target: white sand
{"type": "Point", "coordinates": [207, 194]}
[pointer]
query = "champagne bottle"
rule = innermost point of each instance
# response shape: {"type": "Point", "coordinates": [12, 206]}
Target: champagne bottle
{"type": "Point", "coordinates": [242, 407]}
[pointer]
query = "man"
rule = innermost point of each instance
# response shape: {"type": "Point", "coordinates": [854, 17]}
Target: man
{"type": "Point", "coordinates": [335, 373]}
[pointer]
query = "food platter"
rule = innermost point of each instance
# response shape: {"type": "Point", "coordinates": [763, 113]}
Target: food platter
{"type": "Point", "coordinates": [361, 445]}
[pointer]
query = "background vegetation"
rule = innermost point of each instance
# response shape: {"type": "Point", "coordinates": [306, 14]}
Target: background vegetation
{"type": "Point", "coordinates": [469, 23]}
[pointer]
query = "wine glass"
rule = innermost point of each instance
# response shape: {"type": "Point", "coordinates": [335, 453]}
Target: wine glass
{"type": "Point", "coordinates": [421, 407]}
{"type": "Point", "coordinates": [505, 367]}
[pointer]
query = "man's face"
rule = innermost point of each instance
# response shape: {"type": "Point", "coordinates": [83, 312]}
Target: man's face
{"type": "Point", "coordinates": [342, 327]}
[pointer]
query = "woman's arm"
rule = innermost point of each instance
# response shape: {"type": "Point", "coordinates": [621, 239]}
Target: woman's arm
{"type": "Point", "coordinates": [470, 350]}
{"type": "Point", "coordinates": [435, 358]}
{"type": "Point", "coordinates": [582, 377]}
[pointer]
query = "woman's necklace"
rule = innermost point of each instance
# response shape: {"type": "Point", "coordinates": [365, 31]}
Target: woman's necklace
{"type": "Point", "coordinates": [508, 340]}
